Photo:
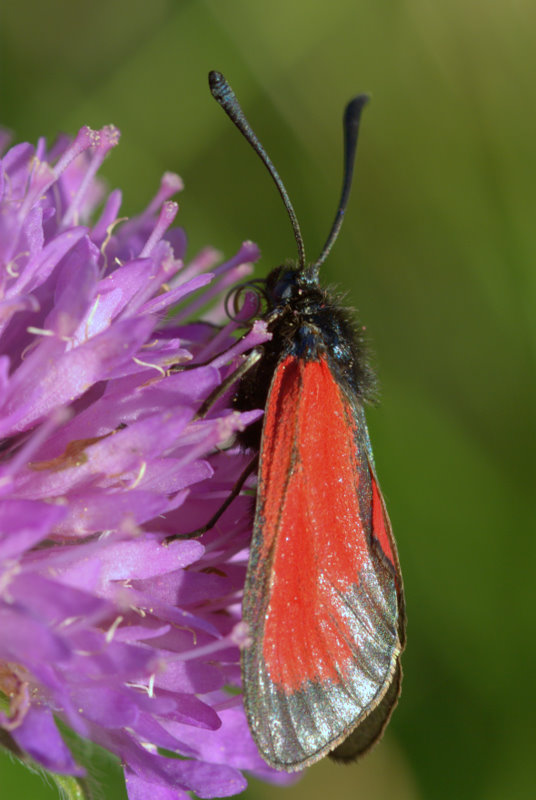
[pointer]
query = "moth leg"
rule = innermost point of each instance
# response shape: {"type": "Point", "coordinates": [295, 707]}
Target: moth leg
{"type": "Point", "coordinates": [220, 390]}
{"type": "Point", "coordinates": [235, 491]}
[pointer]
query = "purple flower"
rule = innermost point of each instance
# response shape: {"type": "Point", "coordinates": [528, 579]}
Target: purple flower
{"type": "Point", "coordinates": [132, 644]}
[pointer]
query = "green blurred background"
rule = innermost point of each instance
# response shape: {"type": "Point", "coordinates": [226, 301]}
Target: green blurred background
{"type": "Point", "coordinates": [437, 253]}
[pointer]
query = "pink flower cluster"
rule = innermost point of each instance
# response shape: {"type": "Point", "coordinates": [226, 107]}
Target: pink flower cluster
{"type": "Point", "coordinates": [131, 643]}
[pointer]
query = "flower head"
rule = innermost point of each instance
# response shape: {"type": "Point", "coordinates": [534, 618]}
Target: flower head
{"type": "Point", "coordinates": [129, 642]}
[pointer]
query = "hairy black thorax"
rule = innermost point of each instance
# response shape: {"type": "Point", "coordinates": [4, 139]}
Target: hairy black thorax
{"type": "Point", "coordinates": [307, 322]}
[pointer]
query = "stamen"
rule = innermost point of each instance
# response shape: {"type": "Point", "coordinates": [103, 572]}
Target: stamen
{"type": "Point", "coordinates": [157, 367]}
{"type": "Point", "coordinates": [165, 219]}
{"type": "Point", "coordinates": [210, 649]}
{"type": "Point", "coordinates": [249, 253]}
{"type": "Point", "coordinates": [201, 263]}
{"type": "Point", "coordinates": [110, 633]}
{"type": "Point", "coordinates": [90, 316]}
{"type": "Point", "coordinates": [139, 476]}
{"type": "Point", "coordinates": [43, 175]}
{"type": "Point", "coordinates": [104, 245]}
{"type": "Point", "coordinates": [102, 142]}
{"type": "Point", "coordinates": [170, 184]}
{"type": "Point", "coordinates": [40, 331]}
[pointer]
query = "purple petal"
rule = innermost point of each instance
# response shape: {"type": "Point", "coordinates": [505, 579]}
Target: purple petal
{"type": "Point", "coordinates": [27, 641]}
{"type": "Point", "coordinates": [140, 789]}
{"type": "Point", "coordinates": [51, 377]}
{"type": "Point", "coordinates": [40, 738]}
{"type": "Point", "coordinates": [206, 780]}
{"type": "Point", "coordinates": [24, 523]}
{"type": "Point", "coordinates": [146, 557]}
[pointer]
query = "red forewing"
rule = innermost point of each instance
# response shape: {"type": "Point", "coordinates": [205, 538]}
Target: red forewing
{"type": "Point", "coordinates": [323, 595]}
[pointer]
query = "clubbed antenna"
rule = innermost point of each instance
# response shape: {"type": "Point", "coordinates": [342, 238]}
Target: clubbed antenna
{"type": "Point", "coordinates": [351, 119]}
{"type": "Point", "coordinates": [222, 92]}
